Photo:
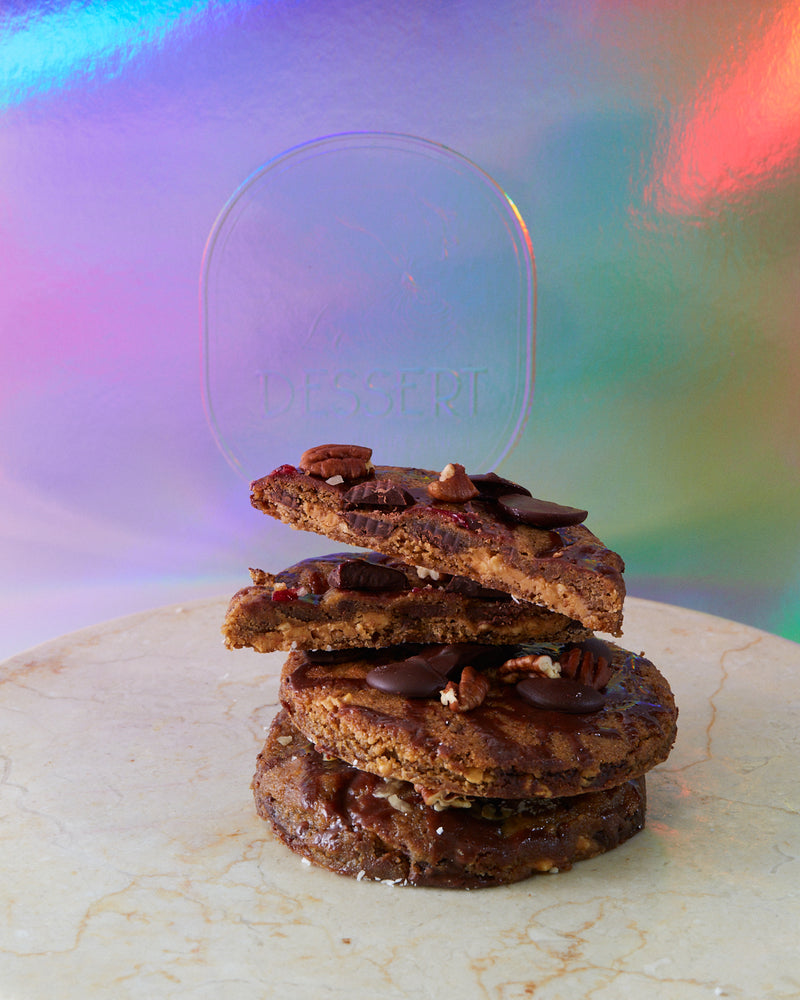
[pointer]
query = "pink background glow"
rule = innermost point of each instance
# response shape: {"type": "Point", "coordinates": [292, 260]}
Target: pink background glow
{"type": "Point", "coordinates": [652, 150]}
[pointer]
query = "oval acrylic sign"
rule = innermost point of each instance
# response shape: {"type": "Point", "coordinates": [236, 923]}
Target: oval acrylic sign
{"type": "Point", "coordinates": [368, 288]}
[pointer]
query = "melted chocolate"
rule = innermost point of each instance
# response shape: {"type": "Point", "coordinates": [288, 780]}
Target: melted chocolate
{"type": "Point", "coordinates": [490, 842]}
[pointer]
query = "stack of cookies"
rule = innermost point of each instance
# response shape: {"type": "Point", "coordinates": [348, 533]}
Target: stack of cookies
{"type": "Point", "coordinates": [449, 717]}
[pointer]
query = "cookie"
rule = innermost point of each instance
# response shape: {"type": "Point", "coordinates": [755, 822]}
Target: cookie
{"type": "Point", "coordinates": [497, 535]}
{"type": "Point", "coordinates": [484, 720]}
{"type": "Point", "coordinates": [344, 600]}
{"type": "Point", "coordinates": [358, 824]}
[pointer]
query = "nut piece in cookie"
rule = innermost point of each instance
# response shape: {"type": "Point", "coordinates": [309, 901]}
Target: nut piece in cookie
{"type": "Point", "coordinates": [453, 485]}
{"type": "Point", "coordinates": [468, 693]}
{"type": "Point", "coordinates": [589, 662]}
{"type": "Point", "coordinates": [350, 461]}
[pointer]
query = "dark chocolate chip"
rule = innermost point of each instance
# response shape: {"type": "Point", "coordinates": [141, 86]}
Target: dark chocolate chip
{"type": "Point", "coordinates": [412, 678]}
{"type": "Point", "coordinates": [490, 486]}
{"type": "Point", "coordinates": [451, 658]}
{"type": "Point", "coordinates": [540, 513]}
{"type": "Point", "coordinates": [560, 694]}
{"type": "Point", "coordinates": [380, 493]}
{"type": "Point", "coordinates": [471, 588]}
{"type": "Point", "coordinates": [358, 574]}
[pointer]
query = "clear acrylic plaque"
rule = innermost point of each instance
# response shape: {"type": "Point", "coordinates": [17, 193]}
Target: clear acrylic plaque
{"type": "Point", "coordinates": [368, 288]}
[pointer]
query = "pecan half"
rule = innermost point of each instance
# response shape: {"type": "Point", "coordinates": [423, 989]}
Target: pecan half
{"type": "Point", "coordinates": [589, 663]}
{"type": "Point", "coordinates": [523, 666]}
{"type": "Point", "coordinates": [350, 461]}
{"type": "Point", "coordinates": [470, 691]}
{"type": "Point", "coordinates": [453, 485]}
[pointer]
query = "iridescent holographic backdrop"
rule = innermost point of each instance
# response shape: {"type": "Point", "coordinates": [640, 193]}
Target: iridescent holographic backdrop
{"type": "Point", "coordinates": [652, 149]}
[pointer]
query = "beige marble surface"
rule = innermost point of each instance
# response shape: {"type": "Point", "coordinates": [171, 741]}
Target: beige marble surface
{"type": "Point", "coordinates": [134, 866]}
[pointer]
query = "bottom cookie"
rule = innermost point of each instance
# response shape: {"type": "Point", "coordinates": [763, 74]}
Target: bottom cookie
{"type": "Point", "coordinates": [364, 826]}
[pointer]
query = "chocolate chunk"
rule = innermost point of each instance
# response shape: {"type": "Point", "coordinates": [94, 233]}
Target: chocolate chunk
{"type": "Point", "coordinates": [287, 499]}
{"type": "Point", "coordinates": [490, 486]}
{"type": "Point", "coordinates": [560, 694]}
{"type": "Point", "coordinates": [368, 525]}
{"type": "Point", "coordinates": [381, 493]}
{"type": "Point", "coordinates": [451, 531]}
{"type": "Point", "coordinates": [471, 588]}
{"type": "Point", "coordinates": [540, 513]}
{"type": "Point", "coordinates": [358, 574]}
{"type": "Point", "coordinates": [412, 678]}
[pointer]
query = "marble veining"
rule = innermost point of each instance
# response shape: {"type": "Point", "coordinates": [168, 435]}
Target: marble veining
{"type": "Point", "coordinates": [134, 864]}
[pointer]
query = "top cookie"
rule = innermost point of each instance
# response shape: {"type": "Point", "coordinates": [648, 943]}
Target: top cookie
{"type": "Point", "coordinates": [484, 528]}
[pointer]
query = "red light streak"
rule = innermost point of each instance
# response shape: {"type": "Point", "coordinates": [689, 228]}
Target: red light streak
{"type": "Point", "coordinates": [741, 131]}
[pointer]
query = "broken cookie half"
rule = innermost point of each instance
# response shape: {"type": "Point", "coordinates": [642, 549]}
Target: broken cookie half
{"type": "Point", "coordinates": [348, 600]}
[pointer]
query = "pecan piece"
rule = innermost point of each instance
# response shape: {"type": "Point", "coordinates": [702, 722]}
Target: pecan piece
{"type": "Point", "coordinates": [350, 461]}
{"type": "Point", "coordinates": [589, 663]}
{"type": "Point", "coordinates": [470, 691]}
{"type": "Point", "coordinates": [513, 670]}
{"type": "Point", "coordinates": [439, 800]}
{"type": "Point", "coordinates": [453, 485]}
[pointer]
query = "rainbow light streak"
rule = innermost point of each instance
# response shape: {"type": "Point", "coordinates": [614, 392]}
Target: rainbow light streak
{"type": "Point", "coordinates": [741, 131]}
{"type": "Point", "coordinates": [50, 46]}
